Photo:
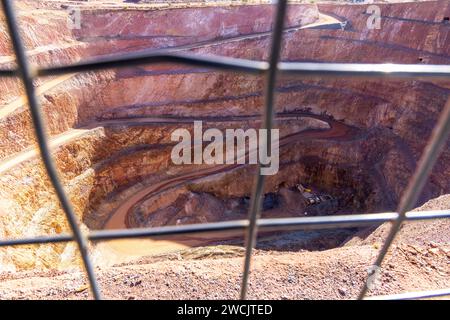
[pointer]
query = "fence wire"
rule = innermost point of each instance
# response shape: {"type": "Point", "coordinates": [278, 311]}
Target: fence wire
{"type": "Point", "coordinates": [251, 225]}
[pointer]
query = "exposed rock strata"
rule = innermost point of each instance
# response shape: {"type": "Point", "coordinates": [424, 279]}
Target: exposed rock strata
{"type": "Point", "coordinates": [102, 162]}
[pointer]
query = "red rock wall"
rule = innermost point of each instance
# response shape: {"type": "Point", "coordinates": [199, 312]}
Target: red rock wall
{"type": "Point", "coordinates": [77, 101]}
{"type": "Point", "coordinates": [395, 118]}
{"type": "Point", "coordinates": [399, 111]}
{"type": "Point", "coordinates": [176, 27]}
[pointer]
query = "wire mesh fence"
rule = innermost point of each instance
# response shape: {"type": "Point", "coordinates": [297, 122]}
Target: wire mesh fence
{"type": "Point", "coordinates": [269, 70]}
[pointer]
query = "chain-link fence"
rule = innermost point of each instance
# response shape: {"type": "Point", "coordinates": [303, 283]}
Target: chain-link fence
{"type": "Point", "coordinates": [269, 70]}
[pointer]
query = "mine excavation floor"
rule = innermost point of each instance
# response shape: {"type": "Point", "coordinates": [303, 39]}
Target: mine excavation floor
{"type": "Point", "coordinates": [124, 249]}
{"type": "Point", "coordinates": [127, 249]}
{"type": "Point", "coordinates": [371, 124]}
{"type": "Point", "coordinates": [337, 131]}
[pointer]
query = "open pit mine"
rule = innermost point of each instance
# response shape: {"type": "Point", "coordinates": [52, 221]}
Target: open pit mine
{"type": "Point", "coordinates": [346, 146]}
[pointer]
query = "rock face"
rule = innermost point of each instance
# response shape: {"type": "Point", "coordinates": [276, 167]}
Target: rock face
{"type": "Point", "coordinates": [356, 140]}
{"type": "Point", "coordinates": [187, 207]}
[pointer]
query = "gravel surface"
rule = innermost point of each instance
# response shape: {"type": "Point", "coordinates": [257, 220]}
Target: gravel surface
{"type": "Point", "coordinates": [419, 260]}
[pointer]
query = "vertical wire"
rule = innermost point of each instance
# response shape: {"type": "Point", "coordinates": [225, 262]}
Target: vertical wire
{"type": "Point", "coordinates": [415, 186]}
{"type": "Point", "coordinates": [26, 75]}
{"type": "Point", "coordinates": [267, 123]}
{"type": "Point", "coordinates": [417, 182]}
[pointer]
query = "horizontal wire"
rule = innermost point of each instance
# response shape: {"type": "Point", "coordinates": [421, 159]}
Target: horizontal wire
{"type": "Point", "coordinates": [9, 73]}
{"type": "Point", "coordinates": [37, 240]}
{"type": "Point", "coordinates": [305, 69]}
{"type": "Point", "coordinates": [383, 70]}
{"type": "Point", "coordinates": [413, 295]}
{"type": "Point", "coordinates": [135, 59]}
{"type": "Point", "coordinates": [273, 224]}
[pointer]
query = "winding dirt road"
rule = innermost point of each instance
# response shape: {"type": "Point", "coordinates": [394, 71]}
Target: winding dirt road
{"type": "Point", "coordinates": [128, 248]}
{"type": "Point", "coordinates": [337, 131]}
{"type": "Point", "coordinates": [120, 251]}
{"type": "Point", "coordinates": [324, 21]}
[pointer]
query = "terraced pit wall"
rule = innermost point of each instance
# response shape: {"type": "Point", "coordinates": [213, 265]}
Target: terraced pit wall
{"type": "Point", "coordinates": [108, 144]}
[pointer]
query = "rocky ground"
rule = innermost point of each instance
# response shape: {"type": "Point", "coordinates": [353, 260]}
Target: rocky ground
{"type": "Point", "coordinates": [110, 131]}
{"type": "Point", "coordinates": [417, 261]}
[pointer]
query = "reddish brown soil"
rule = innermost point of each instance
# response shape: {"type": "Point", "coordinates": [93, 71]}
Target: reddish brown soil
{"type": "Point", "coordinates": [214, 272]}
{"type": "Point", "coordinates": [395, 120]}
{"type": "Point", "coordinates": [332, 274]}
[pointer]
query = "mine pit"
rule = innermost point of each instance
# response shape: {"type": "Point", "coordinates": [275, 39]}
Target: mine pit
{"type": "Point", "coordinates": [347, 146]}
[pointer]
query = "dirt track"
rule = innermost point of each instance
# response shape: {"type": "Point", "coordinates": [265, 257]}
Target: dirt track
{"type": "Point", "coordinates": [418, 261]}
{"type": "Point", "coordinates": [331, 274]}
{"type": "Point", "coordinates": [124, 249]}
{"type": "Point", "coordinates": [337, 130]}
